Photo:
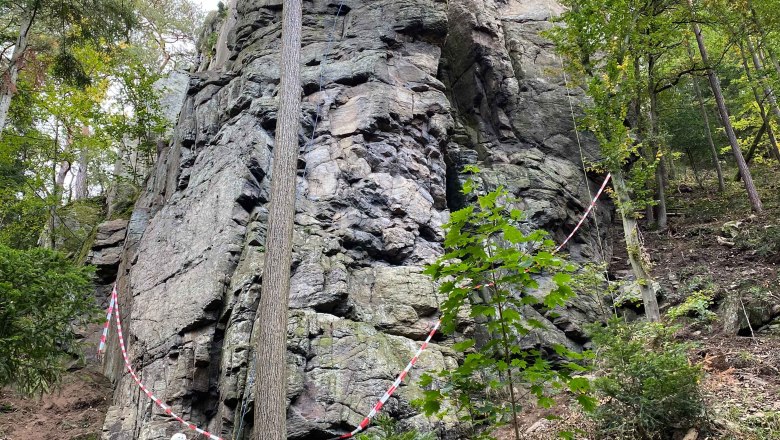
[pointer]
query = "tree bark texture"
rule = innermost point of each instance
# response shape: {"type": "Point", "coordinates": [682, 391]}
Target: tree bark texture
{"type": "Point", "coordinates": [747, 179]}
{"type": "Point", "coordinates": [8, 85]}
{"type": "Point", "coordinates": [655, 147]}
{"type": "Point", "coordinates": [773, 149]}
{"type": "Point", "coordinates": [703, 108]}
{"type": "Point", "coordinates": [271, 318]}
{"type": "Point", "coordinates": [634, 247]}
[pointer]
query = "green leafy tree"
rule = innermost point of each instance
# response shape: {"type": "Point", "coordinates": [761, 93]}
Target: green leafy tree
{"type": "Point", "coordinates": [101, 22]}
{"type": "Point", "coordinates": [42, 297]}
{"type": "Point", "coordinates": [489, 273]}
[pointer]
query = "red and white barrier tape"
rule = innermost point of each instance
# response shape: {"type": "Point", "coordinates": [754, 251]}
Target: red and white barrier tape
{"type": "Point", "coordinates": [375, 410]}
{"type": "Point", "coordinates": [114, 307]}
{"type": "Point", "coordinates": [587, 212]}
{"type": "Point", "coordinates": [104, 336]}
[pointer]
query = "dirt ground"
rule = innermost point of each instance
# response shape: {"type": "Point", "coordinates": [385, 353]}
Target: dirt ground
{"type": "Point", "coordinates": [741, 385]}
{"type": "Point", "coordinates": [75, 411]}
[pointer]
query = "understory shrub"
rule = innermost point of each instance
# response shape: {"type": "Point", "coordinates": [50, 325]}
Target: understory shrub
{"type": "Point", "coordinates": [648, 387]}
{"type": "Point", "coordinates": [699, 295]}
{"type": "Point", "coordinates": [387, 429]}
{"type": "Point", "coordinates": [42, 296]}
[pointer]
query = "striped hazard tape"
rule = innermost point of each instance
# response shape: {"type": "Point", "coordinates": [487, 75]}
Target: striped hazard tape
{"type": "Point", "coordinates": [586, 213]}
{"type": "Point", "coordinates": [113, 306]}
{"type": "Point", "coordinates": [378, 407]}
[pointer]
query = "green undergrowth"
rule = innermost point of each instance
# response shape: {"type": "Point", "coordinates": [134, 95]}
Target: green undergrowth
{"type": "Point", "coordinates": [386, 428]}
{"type": "Point", "coordinates": [647, 387]}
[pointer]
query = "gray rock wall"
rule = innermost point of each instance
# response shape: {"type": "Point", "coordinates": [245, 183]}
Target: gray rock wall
{"type": "Point", "coordinates": [413, 90]}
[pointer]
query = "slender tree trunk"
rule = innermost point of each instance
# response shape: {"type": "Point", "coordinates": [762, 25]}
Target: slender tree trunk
{"type": "Point", "coordinates": [660, 169]}
{"type": "Point", "coordinates": [8, 81]}
{"type": "Point", "coordinates": [750, 187]}
{"type": "Point", "coordinates": [80, 187]}
{"type": "Point", "coordinates": [646, 150]}
{"type": "Point", "coordinates": [80, 182]}
{"type": "Point", "coordinates": [761, 31]}
{"type": "Point", "coordinates": [768, 92]}
{"type": "Point", "coordinates": [703, 108]}
{"type": "Point", "coordinates": [752, 151]}
{"type": "Point", "coordinates": [694, 168]}
{"type": "Point", "coordinates": [48, 237]}
{"type": "Point", "coordinates": [773, 149]}
{"type": "Point", "coordinates": [634, 247]}
{"type": "Point", "coordinates": [271, 320]}
{"type": "Point", "coordinates": [671, 168]}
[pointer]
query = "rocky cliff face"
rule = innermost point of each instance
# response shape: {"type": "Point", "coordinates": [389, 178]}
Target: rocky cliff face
{"type": "Point", "coordinates": [412, 91]}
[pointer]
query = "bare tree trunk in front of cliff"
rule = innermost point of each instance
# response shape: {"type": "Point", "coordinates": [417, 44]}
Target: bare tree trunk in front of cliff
{"type": "Point", "coordinates": [271, 319]}
{"type": "Point", "coordinates": [747, 179]}
{"type": "Point", "coordinates": [635, 251]}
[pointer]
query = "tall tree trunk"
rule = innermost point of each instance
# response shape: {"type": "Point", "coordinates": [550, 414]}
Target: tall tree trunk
{"type": "Point", "coordinates": [271, 320]}
{"type": "Point", "coordinates": [671, 168]}
{"type": "Point", "coordinates": [634, 247]}
{"type": "Point", "coordinates": [758, 63]}
{"type": "Point", "coordinates": [768, 92]}
{"type": "Point", "coordinates": [703, 109]}
{"type": "Point", "coordinates": [773, 149]}
{"type": "Point", "coordinates": [761, 31]}
{"type": "Point", "coordinates": [694, 168]}
{"type": "Point", "coordinates": [750, 187]}
{"type": "Point", "coordinates": [646, 151]}
{"type": "Point", "coordinates": [48, 238]}
{"type": "Point", "coordinates": [80, 187]}
{"type": "Point", "coordinates": [80, 182]}
{"type": "Point", "coordinates": [752, 151]}
{"type": "Point", "coordinates": [8, 81]}
{"type": "Point", "coordinates": [660, 169]}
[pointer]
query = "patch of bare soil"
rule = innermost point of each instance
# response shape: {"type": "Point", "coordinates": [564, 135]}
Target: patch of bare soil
{"type": "Point", "coordinates": [75, 411]}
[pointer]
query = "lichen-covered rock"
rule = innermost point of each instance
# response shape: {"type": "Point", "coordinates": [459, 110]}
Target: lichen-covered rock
{"type": "Point", "coordinates": [412, 90]}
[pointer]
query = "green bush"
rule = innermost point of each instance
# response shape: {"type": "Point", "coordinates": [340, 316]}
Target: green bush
{"type": "Point", "coordinates": [647, 385]}
{"type": "Point", "coordinates": [389, 431]}
{"type": "Point", "coordinates": [42, 296]}
{"type": "Point", "coordinates": [699, 293]}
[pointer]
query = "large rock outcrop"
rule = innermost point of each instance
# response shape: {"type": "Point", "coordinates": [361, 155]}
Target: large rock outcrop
{"type": "Point", "coordinates": [412, 90]}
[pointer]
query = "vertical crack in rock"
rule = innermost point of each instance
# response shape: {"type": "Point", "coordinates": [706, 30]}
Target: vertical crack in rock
{"type": "Point", "coordinates": [413, 90]}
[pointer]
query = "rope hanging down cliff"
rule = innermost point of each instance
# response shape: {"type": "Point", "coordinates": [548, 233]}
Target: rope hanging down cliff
{"type": "Point", "coordinates": [321, 84]}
